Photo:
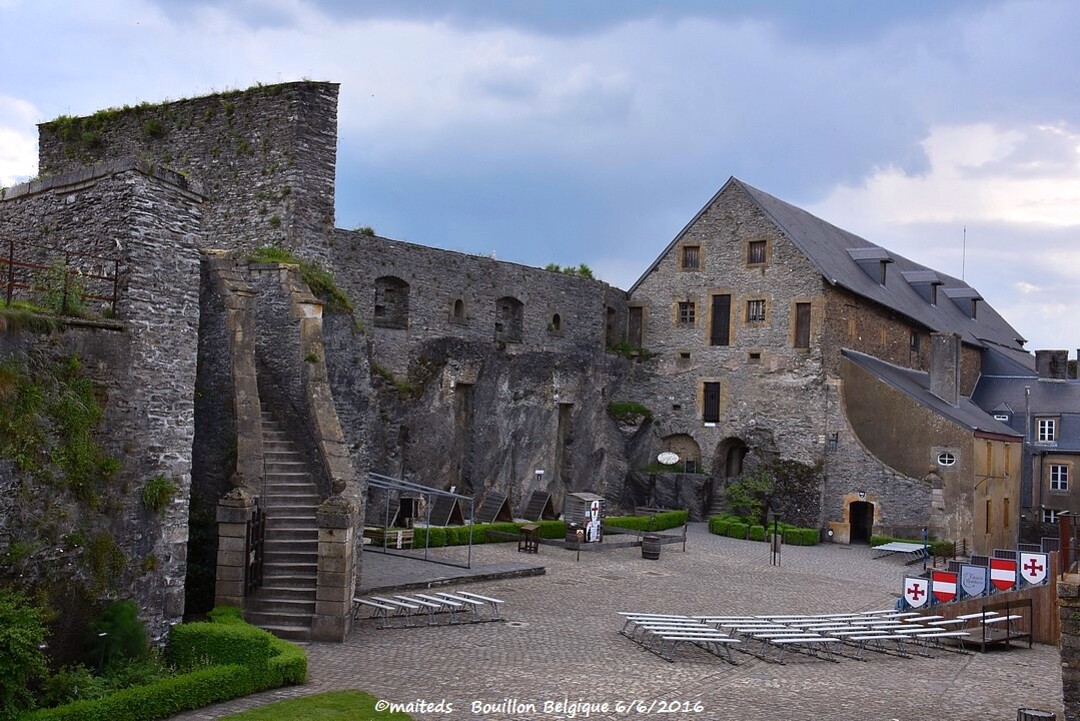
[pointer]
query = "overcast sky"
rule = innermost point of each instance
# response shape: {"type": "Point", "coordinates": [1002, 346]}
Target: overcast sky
{"type": "Point", "coordinates": [591, 131]}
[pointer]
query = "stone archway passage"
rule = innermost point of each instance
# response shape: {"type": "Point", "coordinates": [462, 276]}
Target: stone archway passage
{"type": "Point", "coordinates": [861, 517]}
{"type": "Point", "coordinates": [729, 457]}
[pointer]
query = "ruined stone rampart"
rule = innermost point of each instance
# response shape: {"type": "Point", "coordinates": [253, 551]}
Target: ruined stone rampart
{"type": "Point", "coordinates": [408, 294]}
{"type": "Point", "coordinates": [265, 158]}
{"type": "Point", "coordinates": [142, 359]}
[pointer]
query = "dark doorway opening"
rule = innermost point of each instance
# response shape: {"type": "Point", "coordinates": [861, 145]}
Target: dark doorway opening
{"type": "Point", "coordinates": [861, 517]}
{"type": "Point", "coordinates": [730, 456]}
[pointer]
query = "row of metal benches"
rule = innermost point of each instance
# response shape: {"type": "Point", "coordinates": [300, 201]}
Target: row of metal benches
{"type": "Point", "coordinates": [432, 606]}
{"type": "Point", "coordinates": [810, 634]}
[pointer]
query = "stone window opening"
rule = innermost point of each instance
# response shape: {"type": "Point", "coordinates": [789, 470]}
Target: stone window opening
{"type": "Point", "coordinates": [687, 313]}
{"type": "Point", "coordinates": [457, 312]}
{"type": "Point", "coordinates": [555, 324]}
{"type": "Point", "coordinates": [946, 459]}
{"type": "Point", "coordinates": [391, 302]}
{"type": "Point", "coordinates": [711, 403]}
{"type": "Point", "coordinates": [753, 357]}
{"type": "Point", "coordinates": [802, 325]}
{"type": "Point", "coordinates": [509, 319]}
{"type": "Point", "coordinates": [691, 257]}
{"type": "Point", "coordinates": [915, 341]}
{"type": "Point", "coordinates": [755, 311]}
{"type": "Point", "coordinates": [757, 252]}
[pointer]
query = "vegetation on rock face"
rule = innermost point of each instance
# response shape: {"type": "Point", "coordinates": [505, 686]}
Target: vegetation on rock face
{"type": "Point", "coordinates": [158, 493]}
{"type": "Point", "coordinates": [629, 413]}
{"type": "Point", "coordinates": [47, 418]}
{"type": "Point", "coordinates": [22, 661]}
{"type": "Point", "coordinates": [320, 282]}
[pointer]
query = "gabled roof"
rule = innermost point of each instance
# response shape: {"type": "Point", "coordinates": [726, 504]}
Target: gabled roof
{"type": "Point", "coordinates": [916, 385]}
{"type": "Point", "coordinates": [836, 253]}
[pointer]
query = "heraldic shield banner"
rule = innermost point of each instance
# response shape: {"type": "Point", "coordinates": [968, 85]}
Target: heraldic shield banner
{"type": "Point", "coordinates": [916, 591]}
{"type": "Point", "coordinates": [1003, 573]}
{"type": "Point", "coordinates": [973, 579]}
{"type": "Point", "coordinates": [1033, 568]}
{"type": "Point", "coordinates": [944, 584]}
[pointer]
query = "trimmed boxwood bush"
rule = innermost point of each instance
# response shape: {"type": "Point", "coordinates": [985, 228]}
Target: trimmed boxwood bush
{"type": "Point", "coordinates": [243, 659]}
{"type": "Point", "coordinates": [801, 536]}
{"type": "Point", "coordinates": [736, 527]}
{"type": "Point", "coordinates": [439, 536]}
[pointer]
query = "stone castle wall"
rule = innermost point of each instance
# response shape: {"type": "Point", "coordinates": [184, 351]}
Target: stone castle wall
{"type": "Point", "coordinates": [456, 295]}
{"type": "Point", "coordinates": [265, 159]}
{"type": "Point", "coordinates": [142, 360]}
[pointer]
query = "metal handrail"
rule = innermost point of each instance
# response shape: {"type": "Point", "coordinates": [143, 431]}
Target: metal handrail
{"type": "Point", "coordinates": [12, 262]}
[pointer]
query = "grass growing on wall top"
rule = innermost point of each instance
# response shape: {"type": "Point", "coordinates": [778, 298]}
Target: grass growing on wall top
{"type": "Point", "coordinates": [320, 281]}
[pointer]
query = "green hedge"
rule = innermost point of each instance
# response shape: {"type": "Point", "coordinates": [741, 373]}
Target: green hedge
{"type": "Point", "coordinates": [439, 536]}
{"type": "Point", "coordinates": [736, 527]}
{"type": "Point", "coordinates": [243, 660]}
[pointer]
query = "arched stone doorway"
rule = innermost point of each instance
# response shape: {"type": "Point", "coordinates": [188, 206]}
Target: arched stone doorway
{"type": "Point", "coordinates": [729, 457]}
{"type": "Point", "coordinates": [861, 518]}
{"type": "Point", "coordinates": [687, 449]}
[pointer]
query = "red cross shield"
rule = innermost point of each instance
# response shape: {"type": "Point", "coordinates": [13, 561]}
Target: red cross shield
{"type": "Point", "coordinates": [916, 591]}
{"type": "Point", "coordinates": [1033, 568]}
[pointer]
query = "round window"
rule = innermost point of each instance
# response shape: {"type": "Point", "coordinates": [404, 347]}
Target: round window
{"type": "Point", "coordinates": [946, 459]}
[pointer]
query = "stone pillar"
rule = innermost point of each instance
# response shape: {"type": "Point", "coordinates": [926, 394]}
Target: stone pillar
{"type": "Point", "coordinates": [1068, 591]}
{"type": "Point", "coordinates": [337, 519]}
{"type": "Point", "coordinates": [234, 511]}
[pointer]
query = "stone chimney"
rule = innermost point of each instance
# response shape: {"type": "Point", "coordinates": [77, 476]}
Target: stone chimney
{"type": "Point", "coordinates": [945, 367]}
{"type": "Point", "coordinates": [1052, 365]}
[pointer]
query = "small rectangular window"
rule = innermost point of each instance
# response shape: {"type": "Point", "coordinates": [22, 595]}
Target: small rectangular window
{"type": "Point", "coordinates": [802, 325]}
{"type": "Point", "coordinates": [989, 514]}
{"type": "Point", "coordinates": [1005, 520]}
{"type": "Point", "coordinates": [1047, 430]}
{"type": "Point", "coordinates": [691, 257]}
{"type": "Point", "coordinates": [915, 341]}
{"type": "Point", "coordinates": [755, 311]}
{"type": "Point", "coordinates": [1059, 477]}
{"type": "Point", "coordinates": [756, 252]}
{"type": "Point", "coordinates": [989, 459]}
{"type": "Point", "coordinates": [1049, 515]}
{"type": "Point", "coordinates": [711, 411]}
{"type": "Point", "coordinates": [686, 313]}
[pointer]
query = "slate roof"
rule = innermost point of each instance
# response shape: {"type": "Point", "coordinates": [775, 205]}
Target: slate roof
{"type": "Point", "coordinates": [916, 385]}
{"type": "Point", "coordinates": [1002, 388]}
{"type": "Point", "coordinates": [837, 253]}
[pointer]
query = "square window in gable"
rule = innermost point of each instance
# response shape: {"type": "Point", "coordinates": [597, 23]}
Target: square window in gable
{"type": "Point", "coordinates": [691, 257]}
{"type": "Point", "coordinates": [757, 252]}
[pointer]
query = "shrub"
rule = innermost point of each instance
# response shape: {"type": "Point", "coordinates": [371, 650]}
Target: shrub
{"type": "Point", "coordinates": [115, 636]}
{"type": "Point", "coordinates": [757, 533]}
{"type": "Point", "coordinates": [629, 413]}
{"type": "Point", "coordinates": [22, 634]}
{"type": "Point", "coordinates": [157, 493]}
{"type": "Point", "coordinates": [218, 644]}
{"type": "Point", "coordinates": [71, 683]}
{"type": "Point", "coordinates": [801, 536]}
{"type": "Point", "coordinates": [738, 530]}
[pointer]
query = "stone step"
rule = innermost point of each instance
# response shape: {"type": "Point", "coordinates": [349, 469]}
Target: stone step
{"type": "Point", "coordinates": [279, 619]}
{"type": "Point", "coordinates": [280, 448]}
{"type": "Point", "coordinates": [291, 545]}
{"type": "Point", "coordinates": [289, 477]}
{"type": "Point", "coordinates": [306, 503]}
{"type": "Point", "coordinates": [281, 590]}
{"type": "Point", "coordinates": [295, 559]}
{"type": "Point", "coordinates": [289, 606]}
{"type": "Point", "coordinates": [291, 579]}
{"type": "Point", "coordinates": [293, 510]}
{"type": "Point", "coordinates": [294, 530]}
{"type": "Point", "coordinates": [273, 465]}
{"type": "Point", "coordinates": [289, 633]}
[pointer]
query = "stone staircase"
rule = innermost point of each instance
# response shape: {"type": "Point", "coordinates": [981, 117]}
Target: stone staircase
{"type": "Point", "coordinates": [285, 604]}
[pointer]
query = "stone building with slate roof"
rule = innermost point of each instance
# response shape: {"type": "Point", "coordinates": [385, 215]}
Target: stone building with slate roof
{"type": "Point", "coordinates": [1043, 405]}
{"type": "Point", "coordinates": [762, 317]}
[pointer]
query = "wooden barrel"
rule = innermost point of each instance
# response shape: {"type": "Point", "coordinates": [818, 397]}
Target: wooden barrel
{"type": "Point", "coordinates": [650, 547]}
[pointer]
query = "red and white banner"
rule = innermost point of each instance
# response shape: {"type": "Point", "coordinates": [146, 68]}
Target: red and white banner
{"type": "Point", "coordinates": [916, 592]}
{"type": "Point", "coordinates": [1003, 573]}
{"type": "Point", "coordinates": [944, 585]}
{"type": "Point", "coordinates": [1033, 568]}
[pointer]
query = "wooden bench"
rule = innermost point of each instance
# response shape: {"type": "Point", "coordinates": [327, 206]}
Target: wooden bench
{"type": "Point", "coordinates": [493, 603]}
{"type": "Point", "coordinates": [380, 610]}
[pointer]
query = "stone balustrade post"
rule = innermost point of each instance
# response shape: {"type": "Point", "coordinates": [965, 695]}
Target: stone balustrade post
{"type": "Point", "coordinates": [234, 511]}
{"type": "Point", "coordinates": [337, 519]}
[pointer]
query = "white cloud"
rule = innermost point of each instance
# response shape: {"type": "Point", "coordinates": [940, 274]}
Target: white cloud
{"type": "Point", "coordinates": [18, 141]}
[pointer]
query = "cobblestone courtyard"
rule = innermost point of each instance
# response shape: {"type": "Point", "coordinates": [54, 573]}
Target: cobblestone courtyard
{"type": "Point", "coordinates": [564, 644]}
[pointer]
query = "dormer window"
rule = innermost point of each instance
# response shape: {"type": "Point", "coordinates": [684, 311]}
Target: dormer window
{"type": "Point", "coordinates": [1047, 430]}
{"type": "Point", "coordinates": [873, 261]}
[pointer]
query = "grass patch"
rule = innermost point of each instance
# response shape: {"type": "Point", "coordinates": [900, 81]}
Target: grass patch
{"type": "Point", "coordinates": [331, 706]}
{"type": "Point", "coordinates": [320, 281]}
{"type": "Point", "coordinates": [629, 413]}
